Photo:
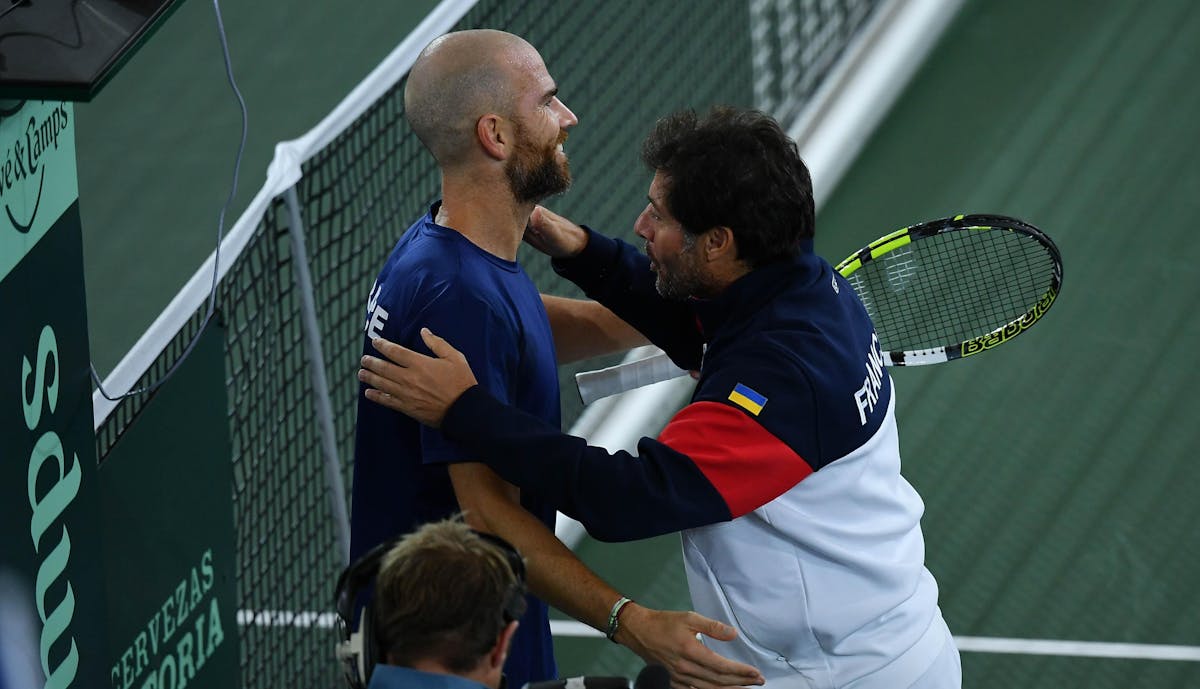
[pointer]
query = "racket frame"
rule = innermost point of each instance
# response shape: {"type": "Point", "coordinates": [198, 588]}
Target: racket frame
{"type": "Point", "coordinates": [961, 223]}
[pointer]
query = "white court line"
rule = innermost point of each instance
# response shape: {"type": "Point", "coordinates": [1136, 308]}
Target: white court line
{"type": "Point", "coordinates": [983, 644]}
{"type": "Point", "coordinates": [286, 618]}
{"type": "Point", "coordinates": [970, 644]}
{"type": "Point", "coordinates": [1086, 649]}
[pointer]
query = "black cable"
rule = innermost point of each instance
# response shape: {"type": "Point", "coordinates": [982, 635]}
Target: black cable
{"type": "Point", "coordinates": [34, 34]}
{"type": "Point", "coordinates": [15, 5]}
{"type": "Point", "coordinates": [212, 293]}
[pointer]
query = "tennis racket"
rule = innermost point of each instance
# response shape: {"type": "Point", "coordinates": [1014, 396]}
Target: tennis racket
{"type": "Point", "coordinates": [938, 291]}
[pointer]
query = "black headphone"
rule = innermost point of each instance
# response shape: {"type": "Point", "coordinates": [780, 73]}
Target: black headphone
{"type": "Point", "coordinates": [359, 650]}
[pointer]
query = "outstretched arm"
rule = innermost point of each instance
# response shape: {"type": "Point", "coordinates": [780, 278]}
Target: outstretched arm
{"type": "Point", "coordinates": [693, 475]}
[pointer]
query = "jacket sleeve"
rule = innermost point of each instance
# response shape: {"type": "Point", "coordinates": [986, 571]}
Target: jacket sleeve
{"type": "Point", "coordinates": [712, 463]}
{"type": "Point", "coordinates": [617, 275]}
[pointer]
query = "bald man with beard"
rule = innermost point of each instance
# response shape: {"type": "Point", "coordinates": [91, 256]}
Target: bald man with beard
{"type": "Point", "coordinates": [486, 107]}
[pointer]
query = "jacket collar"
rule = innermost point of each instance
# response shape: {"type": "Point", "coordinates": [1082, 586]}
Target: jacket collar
{"type": "Point", "coordinates": [749, 293]}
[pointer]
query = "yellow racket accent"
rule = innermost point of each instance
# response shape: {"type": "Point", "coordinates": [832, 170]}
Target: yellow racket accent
{"type": "Point", "coordinates": [891, 246]}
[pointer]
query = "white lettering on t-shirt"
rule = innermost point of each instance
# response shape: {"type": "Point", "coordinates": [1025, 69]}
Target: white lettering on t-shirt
{"type": "Point", "coordinates": [376, 314]}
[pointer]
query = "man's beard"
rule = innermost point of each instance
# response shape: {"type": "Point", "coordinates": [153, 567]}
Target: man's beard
{"type": "Point", "coordinates": [536, 174]}
{"type": "Point", "coordinates": [683, 279]}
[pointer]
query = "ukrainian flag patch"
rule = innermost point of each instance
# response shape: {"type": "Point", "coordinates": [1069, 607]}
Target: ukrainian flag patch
{"type": "Point", "coordinates": [747, 399]}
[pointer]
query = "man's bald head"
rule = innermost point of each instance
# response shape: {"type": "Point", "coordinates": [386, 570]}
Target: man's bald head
{"type": "Point", "coordinates": [458, 78]}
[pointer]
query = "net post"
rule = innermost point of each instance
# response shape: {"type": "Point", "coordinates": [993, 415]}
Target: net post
{"type": "Point", "coordinates": [316, 365]}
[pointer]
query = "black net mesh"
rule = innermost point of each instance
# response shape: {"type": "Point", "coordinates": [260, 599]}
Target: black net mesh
{"type": "Point", "coordinates": [619, 66]}
{"type": "Point", "coordinates": [795, 43]}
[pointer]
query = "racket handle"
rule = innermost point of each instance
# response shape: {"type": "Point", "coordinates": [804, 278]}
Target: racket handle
{"type": "Point", "coordinates": [594, 385]}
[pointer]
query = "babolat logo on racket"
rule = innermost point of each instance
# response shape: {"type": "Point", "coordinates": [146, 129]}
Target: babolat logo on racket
{"type": "Point", "coordinates": [26, 144]}
{"type": "Point", "coordinates": [1010, 330]}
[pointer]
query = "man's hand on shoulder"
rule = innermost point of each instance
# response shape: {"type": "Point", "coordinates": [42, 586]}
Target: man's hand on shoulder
{"type": "Point", "coordinates": [411, 383]}
{"type": "Point", "coordinates": [554, 235]}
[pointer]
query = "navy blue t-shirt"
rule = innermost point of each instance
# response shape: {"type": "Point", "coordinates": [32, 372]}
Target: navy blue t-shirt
{"type": "Point", "coordinates": [489, 309]}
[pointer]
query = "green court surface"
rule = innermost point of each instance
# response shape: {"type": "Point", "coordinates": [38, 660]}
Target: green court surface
{"type": "Point", "coordinates": [1058, 471]}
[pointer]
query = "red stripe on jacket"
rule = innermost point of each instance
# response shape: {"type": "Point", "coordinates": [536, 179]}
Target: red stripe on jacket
{"type": "Point", "coordinates": [747, 465]}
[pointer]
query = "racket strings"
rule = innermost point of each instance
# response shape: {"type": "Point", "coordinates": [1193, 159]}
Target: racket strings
{"type": "Point", "coordinates": [953, 286]}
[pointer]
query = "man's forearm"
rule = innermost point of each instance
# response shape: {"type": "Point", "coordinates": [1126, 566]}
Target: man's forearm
{"type": "Point", "coordinates": [556, 575]}
{"type": "Point", "coordinates": [618, 496]}
{"type": "Point", "coordinates": [584, 329]}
